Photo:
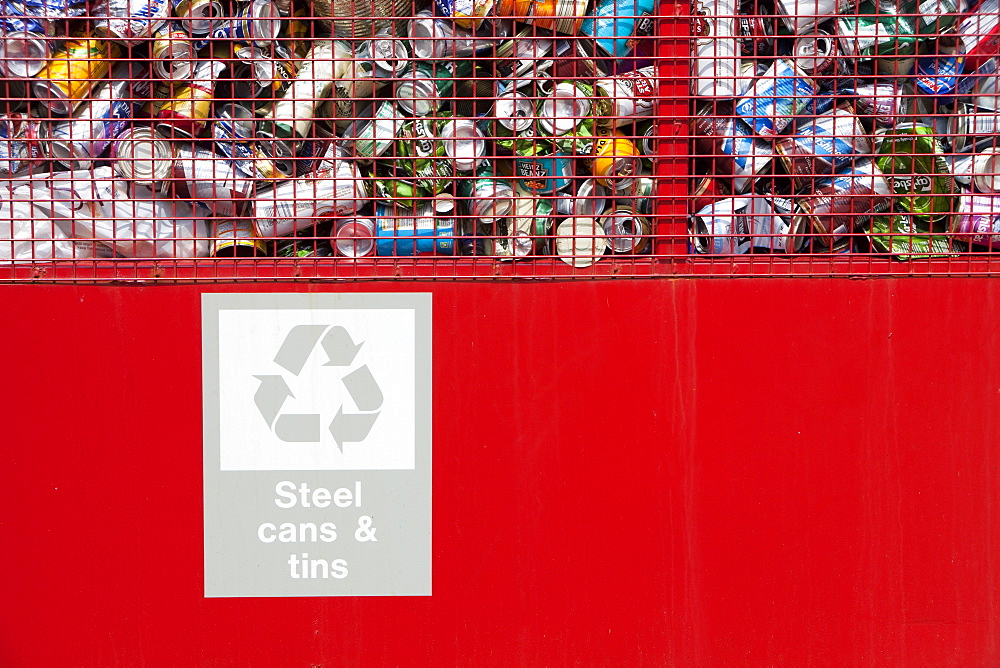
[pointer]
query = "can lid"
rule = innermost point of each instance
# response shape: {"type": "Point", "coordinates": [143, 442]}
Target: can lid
{"type": "Point", "coordinates": [52, 96]}
{"type": "Point", "coordinates": [565, 109]}
{"type": "Point", "coordinates": [580, 242]}
{"type": "Point", "coordinates": [23, 53]}
{"type": "Point", "coordinates": [463, 143]}
{"type": "Point", "coordinates": [418, 97]}
{"type": "Point", "coordinates": [265, 22]}
{"type": "Point", "coordinates": [514, 111]}
{"type": "Point", "coordinates": [355, 237]}
{"type": "Point", "coordinates": [389, 55]}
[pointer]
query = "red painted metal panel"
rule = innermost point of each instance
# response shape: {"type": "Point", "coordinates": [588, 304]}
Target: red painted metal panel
{"type": "Point", "coordinates": [780, 472]}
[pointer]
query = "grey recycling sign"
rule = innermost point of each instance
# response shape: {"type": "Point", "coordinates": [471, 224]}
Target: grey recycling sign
{"type": "Point", "coordinates": [341, 351]}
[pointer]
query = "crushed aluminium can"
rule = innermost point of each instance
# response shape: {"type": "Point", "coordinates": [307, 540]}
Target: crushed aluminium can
{"type": "Point", "coordinates": [775, 99]}
{"type": "Point", "coordinates": [912, 160]}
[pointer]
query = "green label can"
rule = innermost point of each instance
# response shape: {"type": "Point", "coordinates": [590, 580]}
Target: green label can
{"type": "Point", "coordinates": [912, 160]}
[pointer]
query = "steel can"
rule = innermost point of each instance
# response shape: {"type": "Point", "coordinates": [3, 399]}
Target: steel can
{"type": "Point", "coordinates": [545, 172]}
{"type": "Point", "coordinates": [616, 161]}
{"type": "Point", "coordinates": [141, 156]}
{"type": "Point", "coordinates": [912, 159]}
{"type": "Point", "coordinates": [986, 171]}
{"type": "Point", "coordinates": [187, 112]}
{"type": "Point", "coordinates": [234, 237]}
{"type": "Point", "coordinates": [562, 16]}
{"type": "Point", "coordinates": [823, 145]}
{"type": "Point", "coordinates": [633, 94]}
{"type": "Point", "coordinates": [969, 130]}
{"type": "Point", "coordinates": [354, 237]}
{"type": "Point", "coordinates": [617, 25]}
{"type": "Point", "coordinates": [295, 205]}
{"type": "Point", "coordinates": [76, 142]}
{"type": "Point", "coordinates": [626, 230]}
{"type": "Point", "coordinates": [129, 21]}
{"type": "Point", "coordinates": [23, 53]}
{"type": "Point", "coordinates": [430, 228]}
{"type": "Point", "coordinates": [589, 200]}
{"type": "Point", "coordinates": [978, 221]}
{"type": "Point", "coordinates": [801, 15]}
{"type": "Point", "coordinates": [580, 241]}
{"type": "Point", "coordinates": [72, 72]}
{"type": "Point", "coordinates": [839, 205]}
{"type": "Point", "coordinates": [816, 54]}
{"type": "Point", "coordinates": [487, 197]}
{"type": "Point", "coordinates": [464, 145]}
{"type": "Point", "coordinates": [20, 148]}
{"type": "Point", "coordinates": [776, 98]}
{"type": "Point", "coordinates": [370, 137]}
{"type": "Point", "coordinates": [197, 17]}
{"type": "Point", "coordinates": [257, 21]}
{"type": "Point", "coordinates": [716, 62]}
{"type": "Point", "coordinates": [293, 114]}
{"type": "Point", "coordinates": [172, 53]}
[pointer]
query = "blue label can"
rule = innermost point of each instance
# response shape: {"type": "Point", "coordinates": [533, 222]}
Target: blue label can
{"type": "Point", "coordinates": [427, 229]}
{"type": "Point", "coordinates": [619, 25]}
{"type": "Point", "coordinates": [776, 98]}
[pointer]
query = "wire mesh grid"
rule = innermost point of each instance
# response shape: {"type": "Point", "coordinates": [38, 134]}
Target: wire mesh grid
{"type": "Point", "coordinates": [209, 140]}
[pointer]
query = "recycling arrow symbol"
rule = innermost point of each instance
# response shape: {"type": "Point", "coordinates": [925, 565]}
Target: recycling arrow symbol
{"type": "Point", "coordinates": [340, 351]}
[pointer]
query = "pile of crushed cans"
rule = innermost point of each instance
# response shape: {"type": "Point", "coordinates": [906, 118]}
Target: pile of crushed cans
{"type": "Point", "coordinates": [830, 126]}
{"type": "Point", "coordinates": [195, 128]}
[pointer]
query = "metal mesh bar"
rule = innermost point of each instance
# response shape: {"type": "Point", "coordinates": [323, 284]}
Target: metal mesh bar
{"type": "Point", "coordinates": [204, 140]}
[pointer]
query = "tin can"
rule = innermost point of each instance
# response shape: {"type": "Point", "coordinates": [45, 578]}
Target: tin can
{"type": "Point", "coordinates": [354, 237]}
{"type": "Point", "coordinates": [530, 225]}
{"type": "Point", "coordinates": [580, 241]}
{"type": "Point", "coordinates": [423, 87]}
{"type": "Point", "coordinates": [429, 228]}
{"type": "Point", "coordinates": [824, 145]}
{"type": "Point", "coordinates": [255, 75]}
{"type": "Point", "coordinates": [816, 54]}
{"type": "Point", "coordinates": [986, 171]}
{"type": "Point", "coordinates": [234, 237]}
{"type": "Point", "coordinates": [129, 21]}
{"type": "Point", "coordinates": [187, 112]}
{"type": "Point", "coordinates": [970, 131]}
{"type": "Point", "coordinates": [23, 53]}
{"type": "Point", "coordinates": [588, 200]}
{"type": "Point", "coordinates": [257, 21]}
{"type": "Point", "coordinates": [980, 34]}
{"type": "Point", "coordinates": [735, 150]}
{"type": "Point", "coordinates": [72, 72]}
{"type": "Point", "coordinates": [434, 38]}
{"type": "Point", "coordinates": [716, 62]}
{"type": "Point", "coordinates": [734, 226]}
{"type": "Point", "coordinates": [937, 73]}
{"type": "Point", "coordinates": [20, 148]}
{"type": "Point", "coordinates": [799, 16]}
{"type": "Point", "coordinates": [912, 160]}
{"type": "Point", "coordinates": [978, 221]}
{"type": "Point", "coordinates": [633, 94]}
{"type": "Point", "coordinates": [706, 190]}
{"type": "Point", "coordinates": [172, 53]}
{"type": "Point", "coordinates": [839, 205]}
{"type": "Point", "coordinates": [514, 110]}
{"type": "Point", "coordinates": [776, 98]}
{"type": "Point", "coordinates": [616, 161]}
{"type": "Point", "coordinates": [487, 197]}
{"type": "Point", "coordinates": [889, 40]}
{"type": "Point", "coordinates": [561, 16]}
{"type": "Point", "coordinates": [295, 205]}
{"type": "Point", "coordinates": [469, 14]}
{"type": "Point", "coordinates": [197, 17]}
{"type": "Point", "coordinates": [756, 35]}
{"type": "Point", "coordinates": [141, 156]}
{"type": "Point", "coordinates": [618, 25]}
{"type": "Point", "coordinates": [626, 230]}
{"type": "Point", "coordinates": [375, 133]}
{"type": "Point", "coordinates": [569, 105]}
{"type": "Point", "coordinates": [78, 141]}
{"type": "Point", "coordinates": [293, 114]}
{"type": "Point", "coordinates": [464, 145]}
{"type": "Point", "coordinates": [883, 102]}
{"type": "Point", "coordinates": [639, 197]}
{"type": "Point", "coordinates": [545, 172]}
